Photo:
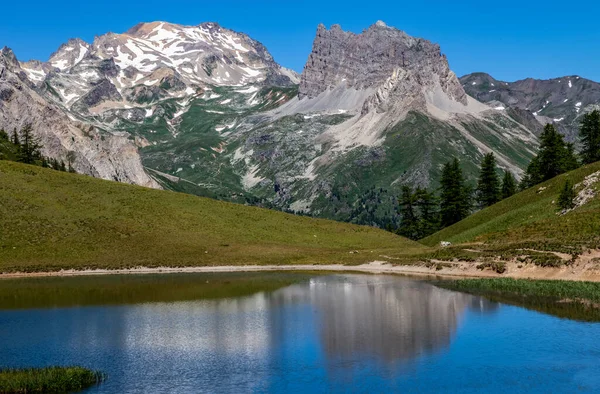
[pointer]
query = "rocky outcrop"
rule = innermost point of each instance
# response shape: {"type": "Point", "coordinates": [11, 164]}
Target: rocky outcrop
{"type": "Point", "coordinates": [91, 151]}
{"type": "Point", "coordinates": [561, 101]}
{"type": "Point", "coordinates": [369, 60]}
{"type": "Point", "coordinates": [101, 91]}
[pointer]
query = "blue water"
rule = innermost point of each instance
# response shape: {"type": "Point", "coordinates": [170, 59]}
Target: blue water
{"type": "Point", "coordinates": [340, 333]}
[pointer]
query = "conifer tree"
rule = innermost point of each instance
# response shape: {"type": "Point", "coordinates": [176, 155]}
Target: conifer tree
{"type": "Point", "coordinates": [3, 135]}
{"type": "Point", "coordinates": [30, 148]}
{"type": "Point", "coordinates": [554, 158]}
{"type": "Point", "coordinates": [429, 215]}
{"type": "Point", "coordinates": [488, 187]}
{"type": "Point", "coordinates": [408, 217]}
{"type": "Point", "coordinates": [419, 215]}
{"type": "Point", "coordinates": [455, 196]}
{"type": "Point", "coordinates": [589, 134]}
{"type": "Point", "coordinates": [566, 199]}
{"type": "Point", "coordinates": [509, 185]}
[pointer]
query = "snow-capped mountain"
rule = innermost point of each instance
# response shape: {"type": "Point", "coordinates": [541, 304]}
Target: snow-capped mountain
{"type": "Point", "coordinates": [117, 69]}
{"type": "Point", "coordinates": [211, 113]}
{"type": "Point", "coordinates": [88, 149]}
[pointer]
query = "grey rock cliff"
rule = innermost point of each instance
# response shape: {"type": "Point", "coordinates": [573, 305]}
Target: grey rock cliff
{"type": "Point", "coordinates": [368, 60]}
{"type": "Point", "coordinates": [92, 151]}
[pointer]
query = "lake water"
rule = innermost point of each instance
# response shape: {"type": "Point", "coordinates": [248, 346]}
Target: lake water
{"type": "Point", "coordinates": [336, 333]}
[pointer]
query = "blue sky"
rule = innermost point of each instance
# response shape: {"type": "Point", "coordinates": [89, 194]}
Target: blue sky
{"type": "Point", "coordinates": [509, 39]}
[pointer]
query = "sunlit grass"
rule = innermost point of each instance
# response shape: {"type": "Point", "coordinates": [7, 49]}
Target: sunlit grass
{"type": "Point", "coordinates": [52, 221]}
{"type": "Point", "coordinates": [529, 220]}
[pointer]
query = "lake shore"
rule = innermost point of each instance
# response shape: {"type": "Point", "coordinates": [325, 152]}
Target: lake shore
{"type": "Point", "coordinates": [581, 270]}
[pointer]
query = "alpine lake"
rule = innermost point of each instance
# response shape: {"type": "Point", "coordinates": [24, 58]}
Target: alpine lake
{"type": "Point", "coordinates": [291, 332]}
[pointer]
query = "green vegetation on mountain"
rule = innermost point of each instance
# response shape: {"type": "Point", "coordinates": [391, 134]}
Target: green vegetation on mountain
{"type": "Point", "coordinates": [53, 220]}
{"type": "Point", "coordinates": [455, 194]}
{"type": "Point", "coordinates": [589, 134]}
{"type": "Point", "coordinates": [530, 219]}
{"type": "Point", "coordinates": [488, 187]}
{"type": "Point", "coordinates": [509, 185]}
{"type": "Point", "coordinates": [25, 148]}
{"type": "Point", "coordinates": [47, 380]}
{"type": "Point", "coordinates": [419, 210]}
{"type": "Point", "coordinates": [567, 196]}
{"type": "Point", "coordinates": [555, 157]}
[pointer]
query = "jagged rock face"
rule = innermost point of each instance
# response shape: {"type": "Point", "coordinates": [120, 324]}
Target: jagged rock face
{"type": "Point", "coordinates": [91, 151]}
{"type": "Point", "coordinates": [369, 59]}
{"type": "Point", "coordinates": [69, 54]}
{"type": "Point", "coordinates": [561, 100]}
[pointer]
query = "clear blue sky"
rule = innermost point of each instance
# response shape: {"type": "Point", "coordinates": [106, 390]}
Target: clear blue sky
{"type": "Point", "coordinates": [509, 39]}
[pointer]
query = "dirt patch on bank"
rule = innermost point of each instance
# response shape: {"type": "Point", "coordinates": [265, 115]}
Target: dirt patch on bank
{"type": "Point", "coordinates": [585, 268]}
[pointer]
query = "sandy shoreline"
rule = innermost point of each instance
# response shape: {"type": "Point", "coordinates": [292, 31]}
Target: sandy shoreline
{"type": "Point", "coordinates": [576, 272]}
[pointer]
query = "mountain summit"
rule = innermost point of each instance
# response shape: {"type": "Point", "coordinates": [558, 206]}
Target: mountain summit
{"type": "Point", "coordinates": [212, 113]}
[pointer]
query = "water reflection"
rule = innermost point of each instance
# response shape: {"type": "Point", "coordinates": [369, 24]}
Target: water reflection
{"type": "Point", "coordinates": [258, 342]}
{"type": "Point", "coordinates": [384, 317]}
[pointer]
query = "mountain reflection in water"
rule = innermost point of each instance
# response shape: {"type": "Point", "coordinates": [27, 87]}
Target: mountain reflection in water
{"type": "Point", "coordinates": [384, 317]}
{"type": "Point", "coordinates": [327, 331]}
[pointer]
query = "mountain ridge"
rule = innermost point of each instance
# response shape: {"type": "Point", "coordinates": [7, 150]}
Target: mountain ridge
{"type": "Point", "coordinates": [211, 113]}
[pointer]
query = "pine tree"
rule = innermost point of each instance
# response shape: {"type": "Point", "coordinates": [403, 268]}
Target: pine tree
{"type": "Point", "coordinates": [455, 196]}
{"type": "Point", "coordinates": [429, 215]}
{"type": "Point", "coordinates": [554, 158]}
{"type": "Point", "coordinates": [62, 166]}
{"type": "Point", "coordinates": [589, 134]}
{"type": "Point", "coordinates": [509, 185]}
{"type": "Point", "coordinates": [4, 136]}
{"type": "Point", "coordinates": [408, 218]}
{"type": "Point", "coordinates": [570, 161]}
{"type": "Point", "coordinates": [488, 187]}
{"type": "Point", "coordinates": [566, 199]}
{"type": "Point", "coordinates": [30, 148]}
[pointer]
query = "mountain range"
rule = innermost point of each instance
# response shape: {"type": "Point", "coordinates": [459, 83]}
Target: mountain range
{"type": "Point", "coordinates": [206, 110]}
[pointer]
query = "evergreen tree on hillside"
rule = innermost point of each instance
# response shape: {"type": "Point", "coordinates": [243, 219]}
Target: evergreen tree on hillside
{"type": "Point", "coordinates": [455, 196]}
{"type": "Point", "coordinates": [589, 134]}
{"type": "Point", "coordinates": [30, 148]}
{"type": "Point", "coordinates": [509, 185]}
{"type": "Point", "coordinates": [4, 136]}
{"type": "Point", "coordinates": [566, 199]}
{"type": "Point", "coordinates": [419, 215]}
{"type": "Point", "coordinates": [429, 215]}
{"type": "Point", "coordinates": [554, 158]}
{"type": "Point", "coordinates": [408, 218]}
{"type": "Point", "coordinates": [488, 187]}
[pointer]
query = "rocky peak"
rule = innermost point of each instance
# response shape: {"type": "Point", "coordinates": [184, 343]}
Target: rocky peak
{"type": "Point", "coordinates": [9, 59]}
{"type": "Point", "coordinates": [368, 60]}
{"type": "Point", "coordinates": [560, 100]}
{"type": "Point", "coordinates": [69, 54]}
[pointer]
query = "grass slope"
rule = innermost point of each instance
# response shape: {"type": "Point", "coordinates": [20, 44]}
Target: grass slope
{"type": "Point", "coordinates": [529, 219]}
{"type": "Point", "coordinates": [51, 220]}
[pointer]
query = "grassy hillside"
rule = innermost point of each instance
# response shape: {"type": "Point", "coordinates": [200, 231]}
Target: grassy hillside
{"type": "Point", "coordinates": [51, 220]}
{"type": "Point", "coordinates": [530, 219]}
